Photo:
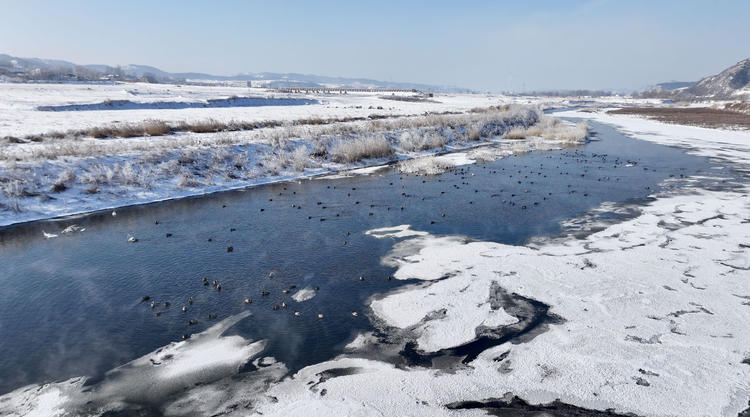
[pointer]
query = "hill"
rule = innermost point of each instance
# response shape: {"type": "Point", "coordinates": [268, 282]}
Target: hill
{"type": "Point", "coordinates": [35, 69]}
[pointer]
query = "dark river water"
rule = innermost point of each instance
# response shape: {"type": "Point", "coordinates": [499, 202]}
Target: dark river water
{"type": "Point", "coordinates": [71, 306]}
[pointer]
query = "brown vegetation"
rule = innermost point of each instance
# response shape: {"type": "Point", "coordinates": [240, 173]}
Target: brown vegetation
{"type": "Point", "coordinates": [696, 116]}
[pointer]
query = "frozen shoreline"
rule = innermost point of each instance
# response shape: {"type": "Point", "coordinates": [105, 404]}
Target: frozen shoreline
{"type": "Point", "coordinates": [654, 312]}
{"type": "Point", "coordinates": [146, 170]}
{"type": "Point", "coordinates": [454, 156]}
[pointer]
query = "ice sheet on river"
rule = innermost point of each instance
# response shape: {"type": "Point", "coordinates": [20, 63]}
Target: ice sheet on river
{"type": "Point", "coordinates": [181, 378]}
{"type": "Point", "coordinates": [654, 313]}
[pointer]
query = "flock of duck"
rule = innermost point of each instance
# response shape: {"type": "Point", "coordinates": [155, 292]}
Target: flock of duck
{"type": "Point", "coordinates": [523, 198]}
{"type": "Point", "coordinates": [160, 306]}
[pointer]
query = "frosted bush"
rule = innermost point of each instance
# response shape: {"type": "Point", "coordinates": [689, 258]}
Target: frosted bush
{"type": "Point", "coordinates": [516, 133]}
{"type": "Point", "coordinates": [552, 129]}
{"type": "Point", "coordinates": [188, 160]}
{"type": "Point", "coordinates": [186, 180]}
{"type": "Point", "coordinates": [354, 150]}
{"type": "Point", "coordinates": [97, 174]}
{"type": "Point", "coordinates": [473, 133]}
{"type": "Point", "coordinates": [301, 158]}
{"type": "Point", "coordinates": [429, 165]}
{"type": "Point", "coordinates": [66, 176]}
{"type": "Point", "coordinates": [421, 141]}
{"type": "Point", "coordinates": [13, 188]}
{"type": "Point", "coordinates": [276, 161]}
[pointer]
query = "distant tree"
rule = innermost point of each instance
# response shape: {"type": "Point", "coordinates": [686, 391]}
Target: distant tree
{"type": "Point", "coordinates": [149, 78]}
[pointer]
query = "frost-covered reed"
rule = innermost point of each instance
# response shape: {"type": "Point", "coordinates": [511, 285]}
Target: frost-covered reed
{"type": "Point", "coordinates": [426, 165]}
{"type": "Point", "coordinates": [552, 129]}
{"type": "Point", "coordinates": [158, 164]}
{"type": "Point", "coordinates": [361, 147]}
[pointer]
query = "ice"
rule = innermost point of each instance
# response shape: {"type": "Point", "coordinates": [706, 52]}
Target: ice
{"type": "Point", "coordinates": [204, 360]}
{"type": "Point", "coordinates": [403, 230]}
{"type": "Point", "coordinates": [304, 294]}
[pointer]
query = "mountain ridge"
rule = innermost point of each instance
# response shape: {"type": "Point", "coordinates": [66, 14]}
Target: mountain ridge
{"type": "Point", "coordinates": [732, 83]}
{"type": "Point", "coordinates": [36, 69]}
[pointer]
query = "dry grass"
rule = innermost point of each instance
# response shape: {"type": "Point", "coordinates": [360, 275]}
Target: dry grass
{"type": "Point", "coordinates": [421, 140]}
{"type": "Point", "coordinates": [196, 160]}
{"type": "Point", "coordinates": [696, 116]}
{"type": "Point", "coordinates": [363, 147]}
{"type": "Point", "coordinates": [516, 133]}
{"type": "Point", "coordinates": [552, 129]}
{"type": "Point", "coordinates": [473, 133]}
{"type": "Point", "coordinates": [428, 165]}
{"type": "Point", "coordinates": [451, 126]}
{"type": "Point", "coordinates": [740, 107]}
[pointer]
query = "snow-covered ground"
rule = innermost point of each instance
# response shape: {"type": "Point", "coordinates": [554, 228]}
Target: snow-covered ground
{"type": "Point", "coordinates": [54, 175]}
{"type": "Point", "coordinates": [653, 311]}
{"type": "Point", "coordinates": [19, 115]}
{"type": "Point", "coordinates": [649, 317]}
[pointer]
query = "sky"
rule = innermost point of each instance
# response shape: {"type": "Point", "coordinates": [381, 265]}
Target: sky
{"type": "Point", "coordinates": [481, 45]}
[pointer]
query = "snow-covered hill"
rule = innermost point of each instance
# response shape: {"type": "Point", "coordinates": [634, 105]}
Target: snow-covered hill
{"type": "Point", "coordinates": [24, 69]}
{"type": "Point", "coordinates": [730, 83]}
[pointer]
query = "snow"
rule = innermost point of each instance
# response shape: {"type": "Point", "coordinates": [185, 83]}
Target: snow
{"type": "Point", "coordinates": [19, 117]}
{"type": "Point", "coordinates": [73, 175]}
{"type": "Point", "coordinates": [654, 308]}
{"type": "Point", "coordinates": [304, 294]}
{"type": "Point", "coordinates": [403, 230]}
{"type": "Point", "coordinates": [205, 361]}
{"type": "Point", "coordinates": [726, 144]}
{"type": "Point", "coordinates": [622, 323]}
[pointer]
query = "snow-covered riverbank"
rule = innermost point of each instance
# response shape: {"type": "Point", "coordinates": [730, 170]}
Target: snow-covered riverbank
{"type": "Point", "coordinates": [58, 174]}
{"type": "Point", "coordinates": [648, 318]}
{"type": "Point", "coordinates": [645, 317]}
{"type": "Point", "coordinates": [652, 311]}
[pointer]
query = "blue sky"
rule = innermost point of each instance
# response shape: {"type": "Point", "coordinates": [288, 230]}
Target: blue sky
{"type": "Point", "coordinates": [484, 45]}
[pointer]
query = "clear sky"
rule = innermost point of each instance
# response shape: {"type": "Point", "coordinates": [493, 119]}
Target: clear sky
{"type": "Point", "coordinates": [483, 45]}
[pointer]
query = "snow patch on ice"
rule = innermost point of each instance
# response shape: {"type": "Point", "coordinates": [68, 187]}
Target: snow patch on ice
{"type": "Point", "coordinates": [304, 294]}
{"type": "Point", "coordinates": [169, 372]}
{"type": "Point", "coordinates": [400, 231]}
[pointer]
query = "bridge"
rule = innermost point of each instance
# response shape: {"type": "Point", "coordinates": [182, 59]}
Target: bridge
{"type": "Point", "coordinates": [325, 90]}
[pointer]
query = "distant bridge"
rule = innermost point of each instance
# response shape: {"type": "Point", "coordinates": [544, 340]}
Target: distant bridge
{"type": "Point", "coordinates": [324, 90]}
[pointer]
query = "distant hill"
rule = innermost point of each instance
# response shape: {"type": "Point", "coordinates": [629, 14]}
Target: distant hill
{"type": "Point", "coordinates": [673, 85]}
{"type": "Point", "coordinates": [730, 83]}
{"type": "Point", "coordinates": [35, 69]}
{"type": "Point", "coordinates": [733, 83]}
